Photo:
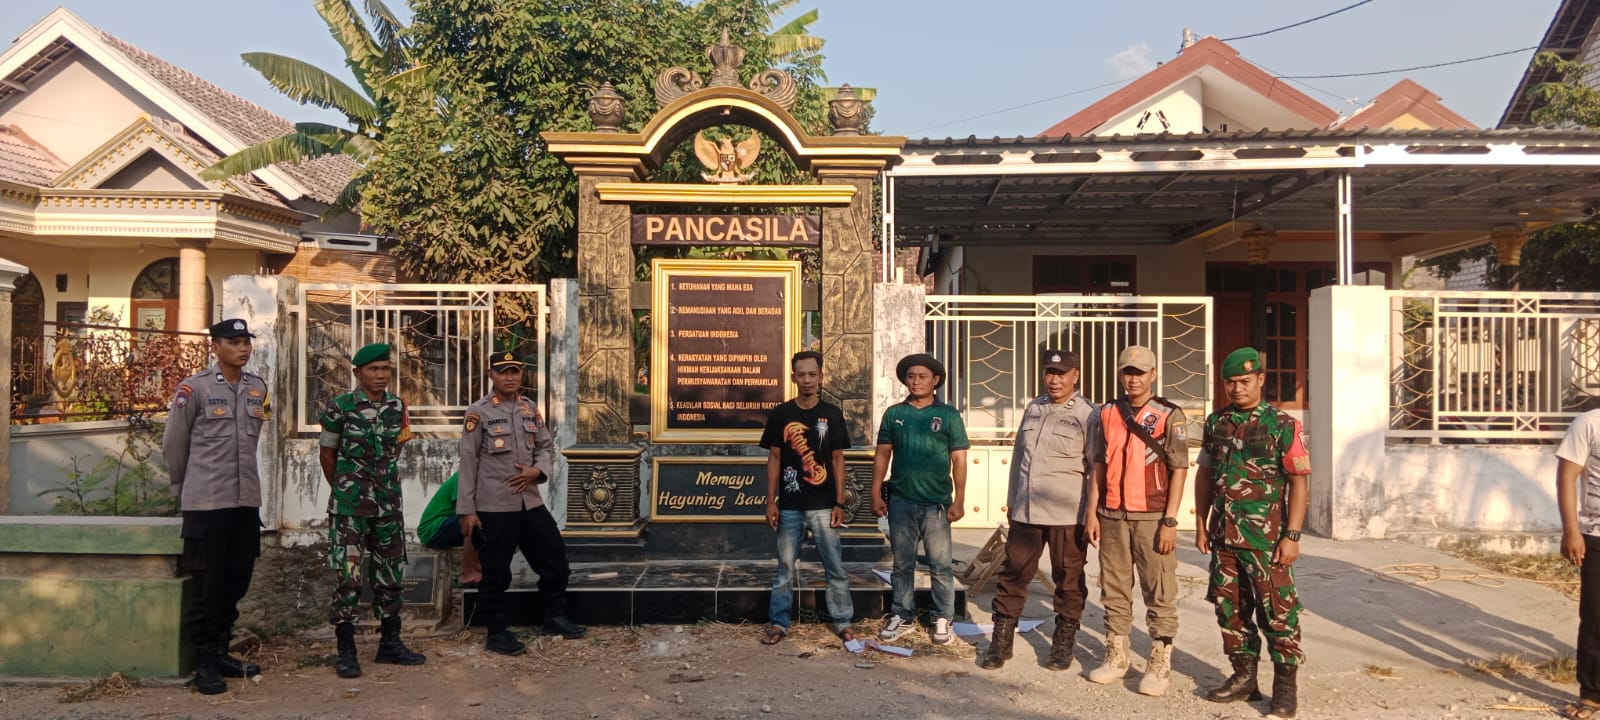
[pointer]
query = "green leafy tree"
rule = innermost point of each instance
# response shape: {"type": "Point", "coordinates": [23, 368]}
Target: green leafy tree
{"type": "Point", "coordinates": [378, 55]}
{"type": "Point", "coordinates": [1562, 257]}
{"type": "Point", "coordinates": [465, 183]}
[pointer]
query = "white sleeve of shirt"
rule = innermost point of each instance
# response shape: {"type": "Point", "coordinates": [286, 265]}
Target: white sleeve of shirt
{"type": "Point", "coordinates": [1577, 443]}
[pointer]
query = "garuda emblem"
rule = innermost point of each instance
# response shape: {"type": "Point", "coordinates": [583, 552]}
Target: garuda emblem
{"type": "Point", "coordinates": [725, 160]}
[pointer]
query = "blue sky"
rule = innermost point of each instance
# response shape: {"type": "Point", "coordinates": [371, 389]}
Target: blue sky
{"type": "Point", "coordinates": [950, 67]}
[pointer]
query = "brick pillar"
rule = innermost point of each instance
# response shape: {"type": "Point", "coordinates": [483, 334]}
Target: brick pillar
{"type": "Point", "coordinates": [605, 315]}
{"type": "Point", "coordinates": [9, 272]}
{"type": "Point", "coordinates": [847, 320]}
{"type": "Point", "coordinates": [1508, 243]}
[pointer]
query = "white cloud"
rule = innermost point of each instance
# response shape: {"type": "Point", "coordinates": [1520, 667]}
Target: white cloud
{"type": "Point", "coordinates": [1130, 62]}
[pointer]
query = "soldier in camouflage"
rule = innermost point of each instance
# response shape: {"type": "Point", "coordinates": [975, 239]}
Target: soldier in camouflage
{"type": "Point", "coordinates": [362, 432]}
{"type": "Point", "coordinates": [1250, 495]}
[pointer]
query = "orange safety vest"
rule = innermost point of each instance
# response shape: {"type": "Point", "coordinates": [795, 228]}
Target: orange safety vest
{"type": "Point", "coordinates": [1136, 478]}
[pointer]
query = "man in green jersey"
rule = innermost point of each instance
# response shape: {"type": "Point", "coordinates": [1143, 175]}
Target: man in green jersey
{"type": "Point", "coordinates": [440, 529]}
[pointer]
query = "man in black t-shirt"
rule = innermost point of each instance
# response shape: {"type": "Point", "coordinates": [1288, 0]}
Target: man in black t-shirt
{"type": "Point", "coordinates": [806, 439]}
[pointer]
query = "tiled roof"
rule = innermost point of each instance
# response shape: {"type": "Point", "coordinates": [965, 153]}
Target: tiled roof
{"type": "Point", "coordinates": [24, 161]}
{"type": "Point", "coordinates": [323, 177]}
{"type": "Point", "coordinates": [248, 186]}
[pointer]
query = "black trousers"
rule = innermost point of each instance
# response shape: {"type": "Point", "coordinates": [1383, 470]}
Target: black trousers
{"type": "Point", "coordinates": [220, 548]}
{"type": "Point", "coordinates": [1589, 621]}
{"type": "Point", "coordinates": [1068, 554]}
{"type": "Point", "coordinates": [534, 532]}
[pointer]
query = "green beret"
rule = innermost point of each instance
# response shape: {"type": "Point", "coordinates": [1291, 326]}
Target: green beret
{"type": "Point", "coordinates": [1242, 361]}
{"type": "Point", "coordinates": [371, 353]}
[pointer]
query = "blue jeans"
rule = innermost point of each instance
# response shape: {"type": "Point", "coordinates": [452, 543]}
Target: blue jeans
{"type": "Point", "coordinates": [909, 524]}
{"type": "Point", "coordinates": [792, 526]}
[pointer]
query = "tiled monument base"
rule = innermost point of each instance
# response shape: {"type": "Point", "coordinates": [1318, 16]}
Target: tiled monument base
{"type": "Point", "coordinates": [681, 592]}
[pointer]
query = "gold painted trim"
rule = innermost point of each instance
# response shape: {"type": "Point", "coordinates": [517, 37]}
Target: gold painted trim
{"type": "Point", "coordinates": [655, 516]}
{"type": "Point", "coordinates": [840, 195]}
{"type": "Point", "coordinates": [586, 453]}
{"type": "Point", "coordinates": [661, 271]}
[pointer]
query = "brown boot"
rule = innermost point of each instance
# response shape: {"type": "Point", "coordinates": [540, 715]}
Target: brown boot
{"type": "Point", "coordinates": [1239, 686]}
{"type": "Point", "coordinates": [1005, 629]}
{"type": "Point", "coordinates": [1285, 698]}
{"type": "Point", "coordinates": [1062, 643]}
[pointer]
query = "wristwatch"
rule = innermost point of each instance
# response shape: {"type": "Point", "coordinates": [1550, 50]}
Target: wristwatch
{"type": "Point", "coordinates": [1292, 535]}
{"type": "Point", "coordinates": [1169, 522]}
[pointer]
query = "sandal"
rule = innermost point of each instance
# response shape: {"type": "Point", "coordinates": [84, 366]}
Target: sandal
{"type": "Point", "coordinates": [845, 634]}
{"type": "Point", "coordinates": [774, 635]}
{"type": "Point", "coordinates": [1580, 710]}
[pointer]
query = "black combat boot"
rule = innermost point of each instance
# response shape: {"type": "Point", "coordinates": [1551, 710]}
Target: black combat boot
{"type": "Point", "coordinates": [1061, 644]}
{"type": "Point", "coordinates": [564, 626]}
{"type": "Point", "coordinates": [347, 665]}
{"type": "Point", "coordinates": [391, 650]}
{"type": "Point", "coordinates": [1005, 629]}
{"type": "Point", "coordinates": [208, 676]}
{"type": "Point", "coordinates": [232, 667]}
{"type": "Point", "coordinates": [1239, 686]}
{"type": "Point", "coordinates": [1285, 698]}
{"type": "Point", "coordinates": [500, 639]}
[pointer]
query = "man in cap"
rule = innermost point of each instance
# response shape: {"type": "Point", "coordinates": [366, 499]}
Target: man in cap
{"type": "Point", "coordinates": [922, 446]}
{"type": "Point", "coordinates": [362, 432]}
{"type": "Point", "coordinates": [1138, 487]}
{"type": "Point", "coordinates": [1050, 467]}
{"type": "Point", "coordinates": [213, 427]}
{"type": "Point", "coordinates": [1250, 495]}
{"type": "Point", "coordinates": [506, 454]}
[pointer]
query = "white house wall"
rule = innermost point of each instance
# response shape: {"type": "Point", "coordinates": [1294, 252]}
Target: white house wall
{"type": "Point", "coordinates": [1181, 104]}
{"type": "Point", "coordinates": [74, 107]}
{"type": "Point", "coordinates": [104, 277]}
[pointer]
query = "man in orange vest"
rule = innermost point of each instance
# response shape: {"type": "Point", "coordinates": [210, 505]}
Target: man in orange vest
{"type": "Point", "coordinates": [1137, 488]}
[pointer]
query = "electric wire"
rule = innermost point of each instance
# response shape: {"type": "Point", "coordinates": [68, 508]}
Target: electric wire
{"type": "Point", "coordinates": [1298, 24]}
{"type": "Point", "coordinates": [1079, 91]}
{"type": "Point", "coordinates": [1409, 69]}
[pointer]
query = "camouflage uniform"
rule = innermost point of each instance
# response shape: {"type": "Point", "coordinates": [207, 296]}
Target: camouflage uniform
{"type": "Point", "coordinates": [1251, 454]}
{"type": "Point", "coordinates": [364, 510]}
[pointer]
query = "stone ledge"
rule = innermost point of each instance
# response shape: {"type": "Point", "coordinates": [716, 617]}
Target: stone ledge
{"type": "Point", "coordinates": [75, 535]}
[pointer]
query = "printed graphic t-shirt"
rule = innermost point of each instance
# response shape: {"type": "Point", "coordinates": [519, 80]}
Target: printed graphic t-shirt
{"type": "Point", "coordinates": [806, 439]}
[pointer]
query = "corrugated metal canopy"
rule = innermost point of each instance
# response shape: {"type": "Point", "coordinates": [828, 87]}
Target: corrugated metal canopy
{"type": "Point", "coordinates": [1164, 189]}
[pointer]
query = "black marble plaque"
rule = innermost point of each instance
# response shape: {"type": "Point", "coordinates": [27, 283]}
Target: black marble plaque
{"type": "Point", "coordinates": [710, 489]}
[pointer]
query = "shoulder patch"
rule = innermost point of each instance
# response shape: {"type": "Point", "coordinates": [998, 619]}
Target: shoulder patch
{"type": "Point", "coordinates": [181, 398]}
{"type": "Point", "coordinates": [471, 422]}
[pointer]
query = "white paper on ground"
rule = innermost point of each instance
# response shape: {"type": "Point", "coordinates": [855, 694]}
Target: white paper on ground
{"type": "Point", "coordinates": [891, 649]}
{"type": "Point", "coordinates": [855, 646]}
{"type": "Point", "coordinates": [883, 575]}
{"type": "Point", "coordinates": [967, 628]}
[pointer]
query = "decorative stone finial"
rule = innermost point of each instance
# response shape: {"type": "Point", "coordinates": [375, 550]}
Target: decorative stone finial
{"type": "Point", "coordinates": [606, 109]}
{"type": "Point", "coordinates": [847, 113]}
{"type": "Point", "coordinates": [725, 57]}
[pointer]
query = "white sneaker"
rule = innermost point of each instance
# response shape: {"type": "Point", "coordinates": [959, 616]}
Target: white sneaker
{"type": "Point", "coordinates": [894, 629]}
{"type": "Point", "coordinates": [941, 632]}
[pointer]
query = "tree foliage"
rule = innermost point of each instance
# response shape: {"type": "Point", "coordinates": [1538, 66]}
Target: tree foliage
{"type": "Point", "coordinates": [1562, 257]}
{"type": "Point", "coordinates": [377, 55]}
{"type": "Point", "coordinates": [465, 184]}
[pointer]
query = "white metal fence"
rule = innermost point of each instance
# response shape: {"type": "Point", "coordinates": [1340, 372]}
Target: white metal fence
{"type": "Point", "coordinates": [992, 348]}
{"type": "Point", "coordinates": [443, 336]}
{"type": "Point", "coordinates": [1469, 366]}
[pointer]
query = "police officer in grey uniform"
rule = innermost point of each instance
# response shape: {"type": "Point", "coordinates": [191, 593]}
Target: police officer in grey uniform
{"type": "Point", "coordinates": [213, 427]}
{"type": "Point", "coordinates": [506, 454]}
{"type": "Point", "coordinates": [1051, 465]}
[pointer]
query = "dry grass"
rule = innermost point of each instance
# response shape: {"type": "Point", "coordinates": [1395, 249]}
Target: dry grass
{"type": "Point", "coordinates": [1552, 570]}
{"type": "Point", "coordinates": [108, 688]}
{"type": "Point", "coordinates": [1381, 672]}
{"type": "Point", "coordinates": [1559, 668]}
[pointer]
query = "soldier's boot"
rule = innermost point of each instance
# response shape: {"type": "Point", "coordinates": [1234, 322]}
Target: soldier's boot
{"type": "Point", "coordinates": [999, 651]}
{"type": "Point", "coordinates": [391, 650]}
{"type": "Point", "coordinates": [500, 639]}
{"type": "Point", "coordinates": [1285, 694]}
{"type": "Point", "coordinates": [564, 626]}
{"type": "Point", "coordinates": [232, 667]}
{"type": "Point", "coordinates": [1062, 643]}
{"type": "Point", "coordinates": [347, 666]}
{"type": "Point", "coordinates": [1116, 663]}
{"type": "Point", "coordinates": [207, 675]}
{"type": "Point", "coordinates": [1241, 685]}
{"type": "Point", "coordinates": [1158, 671]}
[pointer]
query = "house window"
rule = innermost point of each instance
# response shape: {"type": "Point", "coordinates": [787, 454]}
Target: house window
{"type": "Point", "coordinates": [155, 296]}
{"type": "Point", "coordinates": [1084, 274]}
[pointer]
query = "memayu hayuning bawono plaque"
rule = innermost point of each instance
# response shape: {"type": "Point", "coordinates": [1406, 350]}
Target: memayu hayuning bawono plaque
{"type": "Point", "coordinates": [721, 336]}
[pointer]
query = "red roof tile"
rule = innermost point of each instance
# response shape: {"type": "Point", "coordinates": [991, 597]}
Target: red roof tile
{"type": "Point", "coordinates": [25, 161]}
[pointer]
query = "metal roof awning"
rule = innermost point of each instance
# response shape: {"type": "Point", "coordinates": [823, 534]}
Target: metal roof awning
{"type": "Point", "coordinates": [1164, 189]}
